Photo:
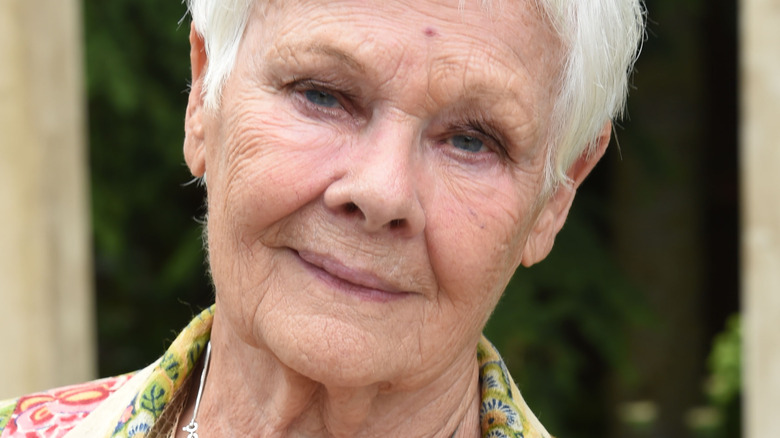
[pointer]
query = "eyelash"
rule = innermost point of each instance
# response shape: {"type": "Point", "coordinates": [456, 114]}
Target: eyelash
{"type": "Point", "coordinates": [299, 87]}
{"type": "Point", "coordinates": [477, 128]}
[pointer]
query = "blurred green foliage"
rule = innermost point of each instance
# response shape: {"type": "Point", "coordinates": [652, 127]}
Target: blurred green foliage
{"type": "Point", "coordinates": [725, 365]}
{"type": "Point", "coordinates": [148, 257]}
{"type": "Point", "coordinates": [724, 383]}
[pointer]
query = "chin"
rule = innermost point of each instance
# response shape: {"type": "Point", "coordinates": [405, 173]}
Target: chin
{"type": "Point", "coordinates": [337, 353]}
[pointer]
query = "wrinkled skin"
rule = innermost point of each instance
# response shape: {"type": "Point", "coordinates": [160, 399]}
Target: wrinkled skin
{"type": "Point", "coordinates": [375, 175]}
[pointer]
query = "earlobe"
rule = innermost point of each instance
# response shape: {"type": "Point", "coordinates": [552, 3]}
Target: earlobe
{"type": "Point", "coordinates": [548, 223]}
{"type": "Point", "coordinates": [194, 132]}
{"type": "Point", "coordinates": [194, 147]}
{"type": "Point", "coordinates": [553, 215]}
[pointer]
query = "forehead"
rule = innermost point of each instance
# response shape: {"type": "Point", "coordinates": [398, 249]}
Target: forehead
{"type": "Point", "coordinates": [513, 34]}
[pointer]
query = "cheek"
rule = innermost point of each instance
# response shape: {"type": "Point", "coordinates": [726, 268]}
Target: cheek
{"type": "Point", "coordinates": [476, 231]}
{"type": "Point", "coordinates": [270, 165]}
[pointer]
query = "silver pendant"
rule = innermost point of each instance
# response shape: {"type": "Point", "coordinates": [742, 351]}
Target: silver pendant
{"type": "Point", "coordinates": [191, 429]}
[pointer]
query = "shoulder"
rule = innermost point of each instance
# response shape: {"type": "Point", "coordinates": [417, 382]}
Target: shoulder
{"type": "Point", "coordinates": [56, 411]}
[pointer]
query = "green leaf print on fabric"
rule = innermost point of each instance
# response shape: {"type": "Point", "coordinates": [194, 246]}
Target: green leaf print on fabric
{"type": "Point", "coordinates": [154, 400]}
{"type": "Point", "coordinates": [171, 366]}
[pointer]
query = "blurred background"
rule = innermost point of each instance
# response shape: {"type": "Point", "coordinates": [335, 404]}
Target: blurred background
{"type": "Point", "coordinates": [631, 328]}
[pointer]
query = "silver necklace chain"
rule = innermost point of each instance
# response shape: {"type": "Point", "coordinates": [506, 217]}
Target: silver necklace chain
{"type": "Point", "coordinates": [192, 428]}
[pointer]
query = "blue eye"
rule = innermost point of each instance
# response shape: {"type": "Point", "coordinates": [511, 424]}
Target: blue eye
{"type": "Point", "coordinates": [467, 143]}
{"type": "Point", "coordinates": [321, 98]}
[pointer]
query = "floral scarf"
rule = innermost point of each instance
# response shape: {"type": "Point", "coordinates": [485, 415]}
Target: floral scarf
{"type": "Point", "coordinates": [128, 406]}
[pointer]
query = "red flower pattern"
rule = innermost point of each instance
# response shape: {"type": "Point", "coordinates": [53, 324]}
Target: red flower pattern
{"type": "Point", "coordinates": [52, 414]}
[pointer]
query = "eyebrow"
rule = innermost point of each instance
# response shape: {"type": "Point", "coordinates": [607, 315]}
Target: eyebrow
{"type": "Point", "coordinates": [329, 51]}
{"type": "Point", "coordinates": [480, 93]}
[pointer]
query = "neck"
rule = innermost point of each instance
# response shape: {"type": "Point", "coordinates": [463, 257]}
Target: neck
{"type": "Point", "coordinates": [249, 392]}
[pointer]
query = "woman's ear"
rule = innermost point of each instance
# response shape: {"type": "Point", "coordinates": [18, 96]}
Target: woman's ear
{"type": "Point", "coordinates": [553, 214]}
{"type": "Point", "coordinates": [194, 135]}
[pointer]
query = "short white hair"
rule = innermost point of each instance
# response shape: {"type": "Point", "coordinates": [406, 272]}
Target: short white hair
{"type": "Point", "coordinates": [601, 39]}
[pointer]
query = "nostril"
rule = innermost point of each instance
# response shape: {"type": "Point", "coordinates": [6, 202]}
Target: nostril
{"type": "Point", "coordinates": [396, 223]}
{"type": "Point", "coordinates": [350, 207]}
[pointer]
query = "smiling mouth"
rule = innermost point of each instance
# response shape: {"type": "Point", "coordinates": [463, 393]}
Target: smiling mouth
{"type": "Point", "coordinates": [363, 284]}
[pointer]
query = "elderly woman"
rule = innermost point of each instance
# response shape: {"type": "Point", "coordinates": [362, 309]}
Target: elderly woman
{"type": "Point", "coordinates": [375, 172]}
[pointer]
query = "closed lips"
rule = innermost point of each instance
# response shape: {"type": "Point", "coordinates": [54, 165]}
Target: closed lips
{"type": "Point", "coordinates": [357, 277]}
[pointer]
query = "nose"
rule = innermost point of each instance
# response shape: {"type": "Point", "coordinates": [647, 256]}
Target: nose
{"type": "Point", "coordinates": [379, 185]}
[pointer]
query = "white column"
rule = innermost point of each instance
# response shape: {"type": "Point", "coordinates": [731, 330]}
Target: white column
{"type": "Point", "coordinates": [760, 170]}
{"type": "Point", "coordinates": [46, 305]}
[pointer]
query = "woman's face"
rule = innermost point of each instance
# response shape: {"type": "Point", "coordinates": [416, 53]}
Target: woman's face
{"type": "Point", "coordinates": [374, 179]}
